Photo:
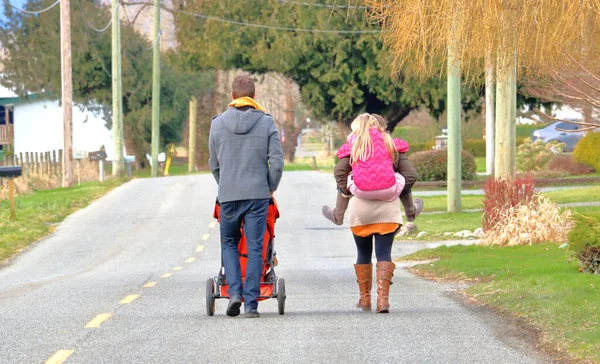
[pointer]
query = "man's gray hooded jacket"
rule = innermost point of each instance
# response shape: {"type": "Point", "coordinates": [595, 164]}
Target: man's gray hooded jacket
{"type": "Point", "coordinates": [245, 154]}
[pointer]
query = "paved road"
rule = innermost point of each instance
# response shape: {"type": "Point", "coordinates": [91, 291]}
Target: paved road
{"type": "Point", "coordinates": [151, 230]}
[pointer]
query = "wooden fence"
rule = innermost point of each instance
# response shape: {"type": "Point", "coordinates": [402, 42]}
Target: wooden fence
{"type": "Point", "coordinates": [45, 163]}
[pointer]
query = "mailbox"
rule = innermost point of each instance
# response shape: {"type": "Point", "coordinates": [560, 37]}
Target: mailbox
{"type": "Point", "coordinates": [10, 172]}
{"type": "Point", "coordinates": [97, 156]}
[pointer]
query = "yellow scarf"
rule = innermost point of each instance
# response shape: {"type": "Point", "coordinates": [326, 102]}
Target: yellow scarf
{"type": "Point", "coordinates": [246, 101]}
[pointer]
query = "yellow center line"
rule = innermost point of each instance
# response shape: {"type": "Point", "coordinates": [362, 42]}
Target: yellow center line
{"type": "Point", "coordinates": [149, 285]}
{"type": "Point", "coordinates": [129, 299]}
{"type": "Point", "coordinates": [199, 248]}
{"type": "Point", "coordinates": [98, 320]}
{"type": "Point", "coordinates": [178, 268]}
{"type": "Point", "coordinates": [212, 224]}
{"type": "Point", "coordinates": [59, 357]}
{"type": "Point", "coordinates": [190, 260]}
{"type": "Point", "coordinates": [166, 275]}
{"type": "Point", "coordinates": [205, 236]}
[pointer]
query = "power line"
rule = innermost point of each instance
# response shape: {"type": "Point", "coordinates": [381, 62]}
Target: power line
{"type": "Point", "coordinates": [89, 24]}
{"type": "Point", "coordinates": [208, 17]}
{"type": "Point", "coordinates": [31, 12]}
{"type": "Point", "coordinates": [324, 5]}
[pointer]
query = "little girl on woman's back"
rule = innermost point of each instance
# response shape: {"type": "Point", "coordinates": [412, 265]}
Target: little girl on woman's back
{"type": "Point", "coordinates": [372, 152]}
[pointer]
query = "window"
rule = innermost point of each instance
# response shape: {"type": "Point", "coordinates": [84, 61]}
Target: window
{"type": "Point", "coordinates": [566, 126]}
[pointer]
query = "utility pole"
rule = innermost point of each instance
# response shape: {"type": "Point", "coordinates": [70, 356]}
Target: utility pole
{"type": "Point", "coordinates": [192, 136]}
{"type": "Point", "coordinates": [454, 129]}
{"type": "Point", "coordinates": [156, 89]}
{"type": "Point", "coordinates": [506, 106]}
{"type": "Point", "coordinates": [490, 96]}
{"type": "Point", "coordinates": [118, 165]}
{"type": "Point", "coordinates": [67, 92]}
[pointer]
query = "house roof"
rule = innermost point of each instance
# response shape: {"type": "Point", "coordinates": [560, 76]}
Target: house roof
{"type": "Point", "coordinates": [6, 93]}
{"type": "Point", "coordinates": [8, 97]}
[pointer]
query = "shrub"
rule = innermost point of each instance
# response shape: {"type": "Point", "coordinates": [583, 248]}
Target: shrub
{"type": "Point", "coordinates": [433, 165]}
{"type": "Point", "coordinates": [566, 163]}
{"type": "Point", "coordinates": [535, 156]}
{"type": "Point", "coordinates": [585, 241]}
{"type": "Point", "coordinates": [535, 221]}
{"type": "Point", "coordinates": [588, 150]}
{"type": "Point", "coordinates": [501, 195]}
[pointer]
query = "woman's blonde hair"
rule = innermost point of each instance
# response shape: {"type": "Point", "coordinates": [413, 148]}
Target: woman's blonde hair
{"type": "Point", "coordinates": [362, 147]}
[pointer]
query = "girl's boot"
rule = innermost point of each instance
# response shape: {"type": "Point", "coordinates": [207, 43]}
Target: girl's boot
{"type": "Point", "coordinates": [385, 272]}
{"type": "Point", "coordinates": [364, 277]}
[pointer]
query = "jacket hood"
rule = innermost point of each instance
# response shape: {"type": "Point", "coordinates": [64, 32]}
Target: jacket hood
{"type": "Point", "coordinates": [240, 122]}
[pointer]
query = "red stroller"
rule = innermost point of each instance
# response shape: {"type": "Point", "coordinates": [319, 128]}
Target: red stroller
{"type": "Point", "coordinates": [270, 285]}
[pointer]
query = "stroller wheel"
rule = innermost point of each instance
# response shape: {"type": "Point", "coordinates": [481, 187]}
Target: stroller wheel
{"type": "Point", "coordinates": [281, 295]}
{"type": "Point", "coordinates": [210, 297]}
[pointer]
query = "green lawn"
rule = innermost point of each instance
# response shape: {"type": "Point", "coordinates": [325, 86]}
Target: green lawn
{"type": "Point", "coordinates": [538, 283]}
{"type": "Point", "coordinates": [38, 213]}
{"type": "Point", "coordinates": [447, 222]}
{"type": "Point", "coordinates": [480, 163]}
{"type": "Point", "coordinates": [524, 131]}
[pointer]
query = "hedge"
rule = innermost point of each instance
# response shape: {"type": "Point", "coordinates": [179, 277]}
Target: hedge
{"type": "Point", "coordinates": [433, 165]}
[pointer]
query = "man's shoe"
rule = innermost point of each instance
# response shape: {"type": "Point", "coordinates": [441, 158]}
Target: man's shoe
{"type": "Point", "coordinates": [252, 313]}
{"type": "Point", "coordinates": [233, 309]}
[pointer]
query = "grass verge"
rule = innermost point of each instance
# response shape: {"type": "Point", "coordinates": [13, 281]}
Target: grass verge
{"type": "Point", "coordinates": [539, 283]}
{"type": "Point", "coordinates": [469, 202]}
{"type": "Point", "coordinates": [39, 212]}
{"type": "Point", "coordinates": [437, 224]}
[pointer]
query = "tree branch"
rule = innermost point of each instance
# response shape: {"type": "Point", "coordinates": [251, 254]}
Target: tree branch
{"type": "Point", "coordinates": [582, 123]}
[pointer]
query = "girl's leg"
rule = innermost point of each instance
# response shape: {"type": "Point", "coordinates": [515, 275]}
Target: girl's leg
{"type": "Point", "coordinates": [405, 167]}
{"type": "Point", "coordinates": [336, 215]}
{"type": "Point", "coordinates": [385, 270]}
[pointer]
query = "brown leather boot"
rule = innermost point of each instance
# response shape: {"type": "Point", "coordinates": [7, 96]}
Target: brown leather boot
{"type": "Point", "coordinates": [385, 272]}
{"type": "Point", "coordinates": [364, 277]}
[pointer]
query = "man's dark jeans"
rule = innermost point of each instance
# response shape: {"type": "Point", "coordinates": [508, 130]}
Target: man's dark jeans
{"type": "Point", "coordinates": [253, 213]}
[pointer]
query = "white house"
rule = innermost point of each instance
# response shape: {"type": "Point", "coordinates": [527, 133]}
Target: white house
{"type": "Point", "coordinates": [35, 125]}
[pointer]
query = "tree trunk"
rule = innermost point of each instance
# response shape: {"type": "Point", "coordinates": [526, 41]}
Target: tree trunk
{"type": "Point", "coordinates": [290, 127]}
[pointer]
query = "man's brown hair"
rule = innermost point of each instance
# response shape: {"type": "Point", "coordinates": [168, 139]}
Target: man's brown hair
{"type": "Point", "coordinates": [242, 86]}
{"type": "Point", "coordinates": [381, 120]}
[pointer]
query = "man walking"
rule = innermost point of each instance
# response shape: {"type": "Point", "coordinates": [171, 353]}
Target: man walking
{"type": "Point", "coordinates": [247, 162]}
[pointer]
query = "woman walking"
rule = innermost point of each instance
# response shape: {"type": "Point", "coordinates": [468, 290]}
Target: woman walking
{"type": "Point", "coordinates": [372, 221]}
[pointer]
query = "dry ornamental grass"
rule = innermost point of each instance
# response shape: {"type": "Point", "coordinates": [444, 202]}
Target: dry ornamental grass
{"type": "Point", "coordinates": [538, 221]}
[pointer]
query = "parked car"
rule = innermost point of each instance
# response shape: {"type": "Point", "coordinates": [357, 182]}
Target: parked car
{"type": "Point", "coordinates": [549, 133]}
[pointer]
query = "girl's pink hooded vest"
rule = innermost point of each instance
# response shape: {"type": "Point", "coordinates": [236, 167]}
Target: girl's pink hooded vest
{"type": "Point", "coordinates": [377, 172]}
